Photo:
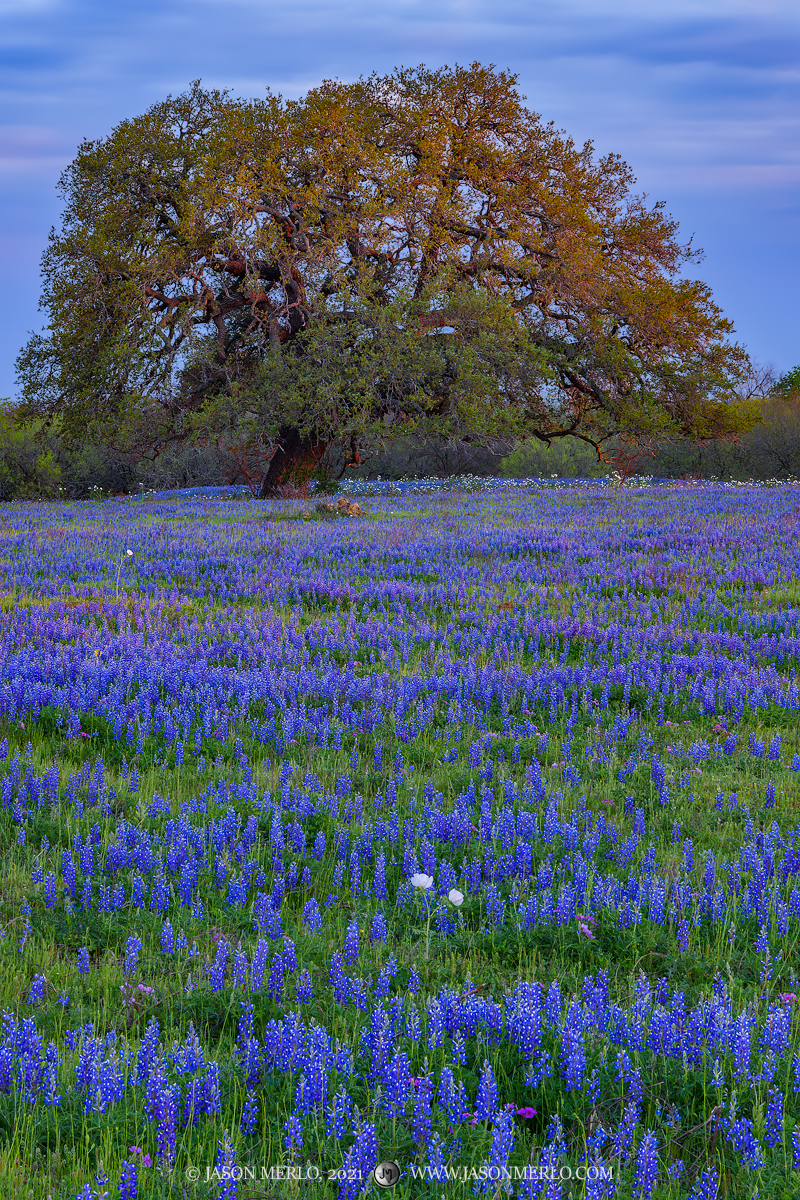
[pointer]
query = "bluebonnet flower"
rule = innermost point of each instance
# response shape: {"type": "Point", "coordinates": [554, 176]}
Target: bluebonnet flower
{"type": "Point", "coordinates": [378, 930]}
{"type": "Point", "coordinates": [646, 1167]}
{"type": "Point", "coordinates": [133, 948]}
{"type": "Point", "coordinates": [413, 1025]}
{"type": "Point", "coordinates": [339, 981]}
{"type": "Point", "coordinates": [167, 938]}
{"type": "Point", "coordinates": [188, 1058]}
{"type": "Point", "coordinates": [159, 896]}
{"type": "Point", "coordinates": [573, 1049]}
{"type": "Point", "coordinates": [226, 1169]}
{"type": "Point", "coordinates": [436, 1027]}
{"type": "Point", "coordinates": [358, 994]}
{"type": "Point", "coordinates": [422, 1117]}
{"type": "Point", "coordinates": [245, 1028]}
{"type": "Point", "coordinates": [259, 965]}
{"type": "Point", "coordinates": [289, 955]}
{"type": "Point", "coordinates": [553, 1150]}
{"type": "Point", "coordinates": [740, 1042]}
{"type": "Point", "coordinates": [435, 1155]}
{"type": "Point", "coordinates": [163, 1101]}
{"type": "Point", "coordinates": [149, 1050]}
{"type": "Point", "coordinates": [540, 1069]}
{"type": "Point", "coordinates": [128, 1181]}
{"type": "Point", "coordinates": [360, 1161]}
{"type": "Point", "coordinates": [599, 1179]}
{"type": "Point", "coordinates": [453, 1097]}
{"type": "Point", "coordinates": [137, 891]}
{"type": "Point", "coordinates": [108, 1084]}
{"type": "Point", "coordinates": [623, 1138]}
{"type": "Point", "coordinates": [553, 1004]}
{"type": "Point", "coordinates": [216, 970]}
{"type": "Point", "coordinates": [773, 1121]}
{"type": "Point", "coordinates": [486, 1100]}
{"type": "Point", "coordinates": [239, 972]}
{"type": "Point", "coordinates": [339, 1115]}
{"type": "Point", "coordinates": [293, 1140]}
{"type": "Point", "coordinates": [101, 1184]}
{"type": "Point", "coordinates": [707, 1186]}
{"type": "Point", "coordinates": [210, 1098]}
{"type": "Point", "coordinates": [305, 990]}
{"type": "Point", "coordinates": [312, 917]}
{"type": "Point", "coordinates": [458, 1052]}
{"type": "Point", "coordinates": [397, 1084]}
{"type": "Point", "coordinates": [592, 1088]}
{"type": "Point", "coordinates": [249, 1119]}
{"type": "Point", "coordinates": [380, 877]}
{"type": "Point", "coordinates": [37, 989]}
{"type": "Point", "coordinates": [500, 1150]}
{"type": "Point", "coordinates": [746, 1144]}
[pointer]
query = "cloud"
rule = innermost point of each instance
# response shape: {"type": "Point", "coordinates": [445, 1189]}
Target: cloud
{"type": "Point", "coordinates": [26, 8]}
{"type": "Point", "coordinates": [32, 149]}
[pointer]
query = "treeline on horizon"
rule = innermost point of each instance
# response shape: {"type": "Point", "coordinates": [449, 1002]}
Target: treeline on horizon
{"type": "Point", "coordinates": [40, 464]}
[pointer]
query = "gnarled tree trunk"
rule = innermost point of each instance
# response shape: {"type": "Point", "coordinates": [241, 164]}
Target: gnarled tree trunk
{"type": "Point", "coordinates": [294, 462]}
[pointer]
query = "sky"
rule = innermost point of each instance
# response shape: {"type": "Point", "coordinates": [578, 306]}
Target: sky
{"type": "Point", "coordinates": [700, 97]}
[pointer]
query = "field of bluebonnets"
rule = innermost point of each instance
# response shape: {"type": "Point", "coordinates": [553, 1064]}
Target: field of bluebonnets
{"type": "Point", "coordinates": [463, 834]}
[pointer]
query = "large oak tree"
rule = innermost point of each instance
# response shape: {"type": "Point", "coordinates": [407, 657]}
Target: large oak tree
{"type": "Point", "coordinates": [415, 253]}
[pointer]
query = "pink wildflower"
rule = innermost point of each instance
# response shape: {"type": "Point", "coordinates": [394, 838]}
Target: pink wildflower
{"type": "Point", "coordinates": [526, 1112]}
{"type": "Point", "coordinates": [585, 930]}
{"type": "Point", "coordinates": [788, 997]}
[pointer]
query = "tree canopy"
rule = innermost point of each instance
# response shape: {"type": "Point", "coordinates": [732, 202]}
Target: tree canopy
{"type": "Point", "coordinates": [417, 253]}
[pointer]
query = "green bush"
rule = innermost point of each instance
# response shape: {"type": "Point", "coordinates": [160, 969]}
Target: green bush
{"type": "Point", "coordinates": [568, 458]}
{"type": "Point", "coordinates": [28, 469]}
{"type": "Point", "coordinates": [771, 450]}
{"type": "Point", "coordinates": [38, 464]}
